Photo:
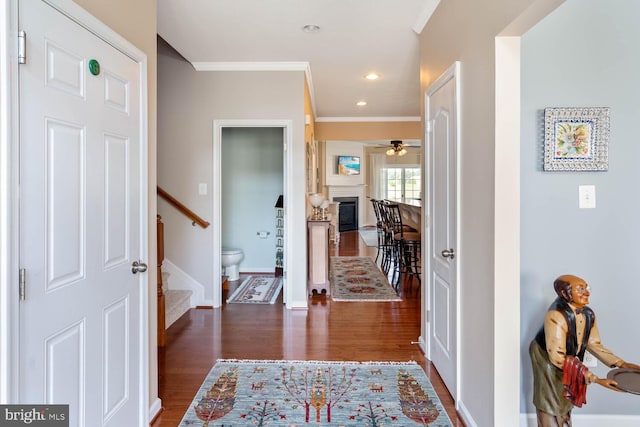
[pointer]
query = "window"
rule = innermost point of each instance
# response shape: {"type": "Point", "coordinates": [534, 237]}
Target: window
{"type": "Point", "coordinates": [400, 183]}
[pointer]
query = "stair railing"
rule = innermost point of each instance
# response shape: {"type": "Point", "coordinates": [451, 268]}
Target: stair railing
{"type": "Point", "coordinates": [182, 208]}
{"type": "Point", "coordinates": [162, 336]}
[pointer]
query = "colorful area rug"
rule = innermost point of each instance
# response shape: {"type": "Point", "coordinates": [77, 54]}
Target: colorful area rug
{"type": "Point", "coordinates": [315, 393]}
{"type": "Point", "coordinates": [359, 279]}
{"type": "Point", "coordinates": [257, 290]}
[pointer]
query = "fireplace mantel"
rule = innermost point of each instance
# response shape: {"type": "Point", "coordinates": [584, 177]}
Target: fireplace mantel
{"type": "Point", "coordinates": [349, 191]}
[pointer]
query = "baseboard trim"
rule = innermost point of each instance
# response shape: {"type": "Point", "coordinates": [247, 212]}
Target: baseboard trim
{"type": "Point", "coordinates": [529, 420]}
{"type": "Point", "coordinates": [258, 270]}
{"type": "Point", "coordinates": [180, 280]}
{"type": "Point", "coordinates": [465, 415]}
{"type": "Point", "coordinates": [155, 409]}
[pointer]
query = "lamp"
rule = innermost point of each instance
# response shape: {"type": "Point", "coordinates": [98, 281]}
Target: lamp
{"type": "Point", "coordinates": [324, 206]}
{"type": "Point", "coordinates": [316, 200]}
{"type": "Point", "coordinates": [397, 148]}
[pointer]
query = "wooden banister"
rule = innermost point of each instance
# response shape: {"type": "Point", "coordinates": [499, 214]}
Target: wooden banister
{"type": "Point", "coordinates": [182, 208]}
{"type": "Point", "coordinates": [162, 340]}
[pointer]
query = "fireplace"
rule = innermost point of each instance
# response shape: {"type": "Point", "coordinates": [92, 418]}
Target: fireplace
{"type": "Point", "coordinates": [348, 213]}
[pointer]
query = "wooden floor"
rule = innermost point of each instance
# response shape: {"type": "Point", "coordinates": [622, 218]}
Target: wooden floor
{"type": "Point", "coordinates": [360, 331]}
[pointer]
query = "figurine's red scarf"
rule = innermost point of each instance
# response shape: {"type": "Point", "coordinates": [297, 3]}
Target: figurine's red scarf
{"type": "Point", "coordinates": [575, 386]}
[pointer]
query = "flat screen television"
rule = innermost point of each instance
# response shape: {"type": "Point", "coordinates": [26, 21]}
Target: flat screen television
{"type": "Point", "coordinates": [348, 165]}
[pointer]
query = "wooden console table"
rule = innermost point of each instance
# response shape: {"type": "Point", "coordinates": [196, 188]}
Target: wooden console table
{"type": "Point", "coordinates": [334, 227]}
{"type": "Point", "coordinates": [318, 256]}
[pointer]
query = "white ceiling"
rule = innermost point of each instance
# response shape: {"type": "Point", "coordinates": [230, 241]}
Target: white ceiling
{"type": "Point", "coordinates": [355, 37]}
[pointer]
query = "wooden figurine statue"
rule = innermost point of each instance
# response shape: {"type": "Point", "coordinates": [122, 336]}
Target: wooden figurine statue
{"type": "Point", "coordinates": [559, 378]}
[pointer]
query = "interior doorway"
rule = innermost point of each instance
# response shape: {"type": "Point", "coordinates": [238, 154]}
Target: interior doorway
{"type": "Point", "coordinates": [219, 126]}
{"type": "Point", "coordinates": [442, 240]}
{"type": "Point", "coordinates": [252, 183]}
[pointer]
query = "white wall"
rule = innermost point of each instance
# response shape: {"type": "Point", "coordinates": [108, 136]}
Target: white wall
{"type": "Point", "coordinates": [591, 64]}
{"type": "Point", "coordinates": [343, 148]}
{"type": "Point", "coordinates": [466, 31]}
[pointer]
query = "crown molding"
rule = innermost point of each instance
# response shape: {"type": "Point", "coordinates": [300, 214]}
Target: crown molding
{"type": "Point", "coordinates": [425, 15]}
{"type": "Point", "coordinates": [262, 66]}
{"type": "Point", "coordinates": [251, 66]}
{"type": "Point", "coordinates": [368, 119]}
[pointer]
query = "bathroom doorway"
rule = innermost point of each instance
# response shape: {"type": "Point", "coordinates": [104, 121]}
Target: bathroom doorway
{"type": "Point", "coordinates": [250, 173]}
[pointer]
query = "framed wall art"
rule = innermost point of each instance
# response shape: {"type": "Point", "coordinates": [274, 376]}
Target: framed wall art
{"type": "Point", "coordinates": [576, 139]}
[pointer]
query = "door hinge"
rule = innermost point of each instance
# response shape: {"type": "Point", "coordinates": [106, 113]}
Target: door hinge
{"type": "Point", "coordinates": [23, 284]}
{"type": "Point", "coordinates": [22, 47]}
{"type": "Point", "coordinates": [429, 126]}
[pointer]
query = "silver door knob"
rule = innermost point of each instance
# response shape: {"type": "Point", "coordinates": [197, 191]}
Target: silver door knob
{"type": "Point", "coordinates": [138, 267]}
{"type": "Point", "coordinates": [448, 253]}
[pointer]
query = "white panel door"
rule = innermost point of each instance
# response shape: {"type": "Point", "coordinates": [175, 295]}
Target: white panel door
{"type": "Point", "coordinates": [441, 111]}
{"type": "Point", "coordinates": [80, 223]}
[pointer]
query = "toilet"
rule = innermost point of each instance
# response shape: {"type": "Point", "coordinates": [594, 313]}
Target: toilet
{"type": "Point", "coordinates": [231, 258]}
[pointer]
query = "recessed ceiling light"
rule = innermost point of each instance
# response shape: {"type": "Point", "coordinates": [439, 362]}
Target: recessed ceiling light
{"type": "Point", "coordinates": [372, 76]}
{"type": "Point", "coordinates": [361, 103]}
{"type": "Point", "coordinates": [310, 28]}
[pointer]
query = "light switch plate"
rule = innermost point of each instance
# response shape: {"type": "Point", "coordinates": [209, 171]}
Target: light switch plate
{"type": "Point", "coordinates": [202, 189]}
{"type": "Point", "coordinates": [587, 196]}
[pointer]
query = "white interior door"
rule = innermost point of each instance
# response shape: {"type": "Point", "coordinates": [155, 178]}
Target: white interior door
{"type": "Point", "coordinates": [81, 216]}
{"type": "Point", "coordinates": [442, 116]}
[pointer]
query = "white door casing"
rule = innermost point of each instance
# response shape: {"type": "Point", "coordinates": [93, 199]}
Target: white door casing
{"type": "Point", "coordinates": [442, 114]}
{"type": "Point", "coordinates": [83, 220]}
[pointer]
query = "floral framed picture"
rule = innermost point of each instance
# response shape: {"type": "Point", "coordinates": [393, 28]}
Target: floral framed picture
{"type": "Point", "coordinates": [576, 139]}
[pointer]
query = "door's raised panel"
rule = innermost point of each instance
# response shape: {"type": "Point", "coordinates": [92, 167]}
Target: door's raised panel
{"type": "Point", "coordinates": [116, 200]}
{"type": "Point", "coordinates": [441, 326]}
{"type": "Point", "coordinates": [65, 203]}
{"type": "Point", "coordinates": [64, 70]}
{"type": "Point", "coordinates": [116, 357]}
{"type": "Point", "coordinates": [441, 234]}
{"type": "Point", "coordinates": [65, 371]}
{"type": "Point", "coordinates": [116, 92]}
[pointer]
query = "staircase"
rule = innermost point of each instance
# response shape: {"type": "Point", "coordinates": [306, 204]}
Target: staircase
{"type": "Point", "coordinates": [171, 303]}
{"type": "Point", "coordinates": [176, 301]}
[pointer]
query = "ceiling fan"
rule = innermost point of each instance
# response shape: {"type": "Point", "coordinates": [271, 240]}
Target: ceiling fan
{"type": "Point", "coordinates": [398, 148]}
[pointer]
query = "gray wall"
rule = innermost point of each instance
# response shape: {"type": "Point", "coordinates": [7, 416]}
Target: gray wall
{"type": "Point", "coordinates": [584, 54]}
{"type": "Point", "coordinates": [252, 177]}
{"type": "Point", "coordinates": [189, 102]}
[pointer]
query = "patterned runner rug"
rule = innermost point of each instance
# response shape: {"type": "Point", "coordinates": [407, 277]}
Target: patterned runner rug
{"type": "Point", "coordinates": [359, 279]}
{"type": "Point", "coordinates": [315, 393]}
{"type": "Point", "coordinates": [257, 290]}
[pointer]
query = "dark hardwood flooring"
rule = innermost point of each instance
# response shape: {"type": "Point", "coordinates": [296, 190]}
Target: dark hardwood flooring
{"type": "Point", "coordinates": [360, 331]}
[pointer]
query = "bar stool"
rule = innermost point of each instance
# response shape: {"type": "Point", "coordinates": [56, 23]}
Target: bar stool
{"type": "Point", "coordinates": [387, 243]}
{"type": "Point", "coordinates": [379, 227]}
{"type": "Point", "coordinates": [407, 243]}
{"type": "Point", "coordinates": [384, 242]}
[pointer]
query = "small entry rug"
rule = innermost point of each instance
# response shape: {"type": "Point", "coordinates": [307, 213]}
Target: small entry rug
{"type": "Point", "coordinates": [359, 279]}
{"type": "Point", "coordinates": [315, 393]}
{"type": "Point", "coordinates": [370, 236]}
{"type": "Point", "coordinates": [257, 290]}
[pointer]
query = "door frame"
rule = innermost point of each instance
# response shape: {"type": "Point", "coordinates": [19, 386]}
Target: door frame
{"type": "Point", "coordinates": [453, 72]}
{"type": "Point", "coordinates": [9, 192]}
{"type": "Point", "coordinates": [218, 125]}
